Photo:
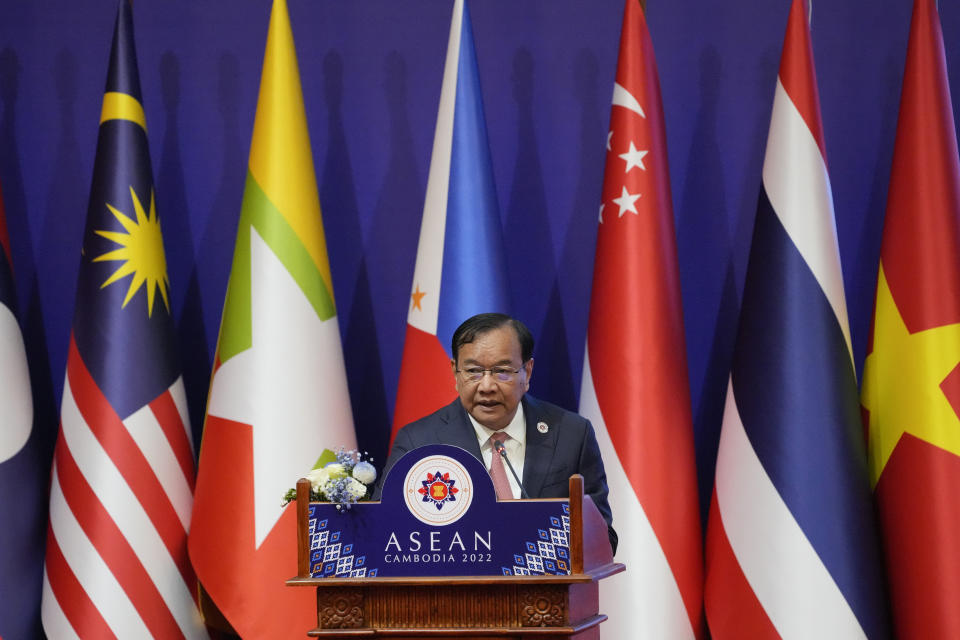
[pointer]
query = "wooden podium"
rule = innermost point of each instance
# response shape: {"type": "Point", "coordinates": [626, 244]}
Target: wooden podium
{"type": "Point", "coordinates": [477, 607]}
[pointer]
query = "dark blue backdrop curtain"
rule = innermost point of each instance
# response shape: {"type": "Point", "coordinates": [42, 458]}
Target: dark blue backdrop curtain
{"type": "Point", "coordinates": [371, 74]}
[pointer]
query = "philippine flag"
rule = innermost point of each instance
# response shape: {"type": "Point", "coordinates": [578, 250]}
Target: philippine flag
{"type": "Point", "coordinates": [791, 544]}
{"type": "Point", "coordinates": [460, 268]}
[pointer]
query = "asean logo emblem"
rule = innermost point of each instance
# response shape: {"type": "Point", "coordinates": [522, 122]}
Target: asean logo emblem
{"type": "Point", "coordinates": [438, 490]}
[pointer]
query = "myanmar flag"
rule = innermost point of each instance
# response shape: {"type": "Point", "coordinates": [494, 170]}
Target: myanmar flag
{"type": "Point", "coordinates": [278, 396]}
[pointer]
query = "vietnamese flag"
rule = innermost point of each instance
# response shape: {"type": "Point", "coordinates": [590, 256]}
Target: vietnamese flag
{"type": "Point", "coordinates": [911, 386]}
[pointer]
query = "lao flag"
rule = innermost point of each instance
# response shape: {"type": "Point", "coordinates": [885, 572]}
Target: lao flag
{"type": "Point", "coordinates": [460, 269]}
{"type": "Point", "coordinates": [635, 388]}
{"type": "Point", "coordinates": [791, 543]}
{"type": "Point", "coordinates": [23, 476]}
{"type": "Point", "coordinates": [911, 382]}
{"type": "Point", "coordinates": [123, 473]}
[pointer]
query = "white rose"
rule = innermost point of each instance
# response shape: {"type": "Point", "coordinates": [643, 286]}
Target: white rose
{"type": "Point", "coordinates": [336, 470]}
{"type": "Point", "coordinates": [318, 479]}
{"type": "Point", "coordinates": [355, 488]}
{"type": "Point", "coordinates": [365, 472]}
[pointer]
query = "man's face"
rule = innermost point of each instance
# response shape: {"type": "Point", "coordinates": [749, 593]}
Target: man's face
{"type": "Point", "coordinates": [490, 401]}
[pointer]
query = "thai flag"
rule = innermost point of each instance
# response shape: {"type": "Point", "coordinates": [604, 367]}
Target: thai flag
{"type": "Point", "coordinates": [23, 477]}
{"type": "Point", "coordinates": [460, 269]}
{"type": "Point", "coordinates": [122, 481]}
{"type": "Point", "coordinates": [791, 544]}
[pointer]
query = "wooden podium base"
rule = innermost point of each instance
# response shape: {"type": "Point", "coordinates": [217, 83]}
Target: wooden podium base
{"type": "Point", "coordinates": [475, 607]}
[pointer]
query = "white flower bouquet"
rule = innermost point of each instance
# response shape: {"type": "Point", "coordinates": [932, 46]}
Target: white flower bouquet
{"type": "Point", "coordinates": [345, 477]}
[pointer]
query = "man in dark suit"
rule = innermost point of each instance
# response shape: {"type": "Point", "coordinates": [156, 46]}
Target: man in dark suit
{"type": "Point", "coordinates": [492, 364]}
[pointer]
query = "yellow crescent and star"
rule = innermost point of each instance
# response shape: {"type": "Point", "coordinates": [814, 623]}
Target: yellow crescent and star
{"type": "Point", "coordinates": [141, 241]}
{"type": "Point", "coordinates": [141, 252]}
{"type": "Point", "coordinates": [902, 383]}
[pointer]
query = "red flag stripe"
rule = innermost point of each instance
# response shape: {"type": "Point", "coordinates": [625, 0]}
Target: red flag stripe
{"type": "Point", "coordinates": [795, 66]}
{"type": "Point", "coordinates": [425, 383]}
{"type": "Point", "coordinates": [733, 610]}
{"type": "Point", "coordinates": [149, 435]}
{"type": "Point", "coordinates": [168, 415]}
{"type": "Point", "coordinates": [113, 546]}
{"type": "Point", "coordinates": [113, 436]}
{"type": "Point", "coordinates": [228, 446]}
{"type": "Point", "coordinates": [79, 610]}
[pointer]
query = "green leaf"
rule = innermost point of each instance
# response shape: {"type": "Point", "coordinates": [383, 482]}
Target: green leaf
{"type": "Point", "coordinates": [325, 458]}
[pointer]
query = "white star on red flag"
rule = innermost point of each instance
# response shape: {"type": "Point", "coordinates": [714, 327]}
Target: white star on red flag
{"type": "Point", "coordinates": [629, 130]}
{"type": "Point", "coordinates": [633, 158]}
{"type": "Point", "coordinates": [627, 202]}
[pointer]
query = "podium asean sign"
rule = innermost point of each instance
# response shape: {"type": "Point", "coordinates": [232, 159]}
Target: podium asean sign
{"type": "Point", "coordinates": [440, 557]}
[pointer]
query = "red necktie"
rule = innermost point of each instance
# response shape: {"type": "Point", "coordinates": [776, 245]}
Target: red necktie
{"type": "Point", "coordinates": [497, 472]}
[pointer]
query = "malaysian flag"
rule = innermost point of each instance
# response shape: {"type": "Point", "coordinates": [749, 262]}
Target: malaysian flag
{"type": "Point", "coordinates": [460, 269]}
{"type": "Point", "coordinates": [791, 541]}
{"type": "Point", "coordinates": [123, 471]}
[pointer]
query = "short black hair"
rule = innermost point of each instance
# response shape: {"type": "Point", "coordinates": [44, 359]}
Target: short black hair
{"type": "Point", "coordinates": [484, 322]}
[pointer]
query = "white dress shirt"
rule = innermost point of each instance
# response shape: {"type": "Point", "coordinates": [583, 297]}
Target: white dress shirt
{"type": "Point", "coordinates": [516, 445]}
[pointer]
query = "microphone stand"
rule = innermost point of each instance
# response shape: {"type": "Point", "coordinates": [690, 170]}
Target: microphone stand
{"type": "Point", "coordinates": [502, 450]}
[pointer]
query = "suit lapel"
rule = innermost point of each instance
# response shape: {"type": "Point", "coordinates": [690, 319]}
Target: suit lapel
{"type": "Point", "coordinates": [458, 430]}
{"type": "Point", "coordinates": [540, 447]}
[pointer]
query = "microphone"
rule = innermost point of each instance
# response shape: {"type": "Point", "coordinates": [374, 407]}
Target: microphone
{"type": "Point", "coordinates": [502, 450]}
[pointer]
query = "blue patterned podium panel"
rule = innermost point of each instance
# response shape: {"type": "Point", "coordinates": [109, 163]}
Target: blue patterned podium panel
{"type": "Point", "coordinates": [439, 516]}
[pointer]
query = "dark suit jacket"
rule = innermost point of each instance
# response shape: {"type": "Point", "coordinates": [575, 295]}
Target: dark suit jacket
{"type": "Point", "coordinates": [569, 446]}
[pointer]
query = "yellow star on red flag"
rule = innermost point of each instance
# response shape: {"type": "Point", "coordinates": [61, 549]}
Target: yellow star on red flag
{"type": "Point", "coordinates": [901, 383]}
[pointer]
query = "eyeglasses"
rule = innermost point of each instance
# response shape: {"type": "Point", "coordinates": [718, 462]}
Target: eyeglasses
{"type": "Point", "coordinates": [500, 374]}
